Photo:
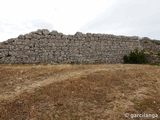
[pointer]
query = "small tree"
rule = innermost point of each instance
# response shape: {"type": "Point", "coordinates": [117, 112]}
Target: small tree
{"type": "Point", "coordinates": [135, 57]}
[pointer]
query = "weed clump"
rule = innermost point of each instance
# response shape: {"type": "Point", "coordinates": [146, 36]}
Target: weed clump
{"type": "Point", "coordinates": [145, 41]}
{"type": "Point", "coordinates": [158, 53]}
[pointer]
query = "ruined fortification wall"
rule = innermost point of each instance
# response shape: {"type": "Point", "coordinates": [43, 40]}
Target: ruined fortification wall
{"type": "Point", "coordinates": [150, 44]}
{"type": "Point", "coordinates": [54, 47]}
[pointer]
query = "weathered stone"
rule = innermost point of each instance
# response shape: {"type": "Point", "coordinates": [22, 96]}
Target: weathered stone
{"type": "Point", "coordinates": [39, 32]}
{"type": "Point", "coordinates": [2, 46]}
{"type": "Point", "coordinates": [89, 34]}
{"type": "Point", "coordinates": [37, 36]}
{"type": "Point", "coordinates": [28, 36]}
{"type": "Point", "coordinates": [26, 47]}
{"type": "Point", "coordinates": [58, 37]}
{"type": "Point", "coordinates": [64, 37]}
{"type": "Point", "coordinates": [53, 32]}
{"type": "Point", "coordinates": [79, 34]}
{"type": "Point", "coordinates": [21, 37]}
{"type": "Point", "coordinates": [45, 31]}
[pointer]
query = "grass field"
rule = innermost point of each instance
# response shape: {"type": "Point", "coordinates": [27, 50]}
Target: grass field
{"type": "Point", "coordinates": [78, 92]}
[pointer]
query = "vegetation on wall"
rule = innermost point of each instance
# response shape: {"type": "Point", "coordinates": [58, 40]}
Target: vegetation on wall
{"type": "Point", "coordinates": [135, 57]}
{"type": "Point", "coordinates": [157, 42]}
{"type": "Point", "coordinates": [158, 53]}
{"type": "Point", "coordinates": [145, 41]}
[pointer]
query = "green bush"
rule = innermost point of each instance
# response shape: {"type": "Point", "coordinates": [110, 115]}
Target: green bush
{"type": "Point", "coordinates": [135, 57]}
{"type": "Point", "coordinates": [157, 43]}
{"type": "Point", "coordinates": [145, 41]}
{"type": "Point", "coordinates": [158, 53]}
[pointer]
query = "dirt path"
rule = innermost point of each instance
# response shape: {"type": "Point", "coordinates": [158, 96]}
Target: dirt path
{"type": "Point", "coordinates": [10, 96]}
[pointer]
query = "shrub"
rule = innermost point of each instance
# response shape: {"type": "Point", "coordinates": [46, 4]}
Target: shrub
{"type": "Point", "coordinates": [135, 57]}
{"type": "Point", "coordinates": [145, 41]}
{"type": "Point", "coordinates": [157, 43]}
{"type": "Point", "coordinates": [126, 59]}
{"type": "Point", "coordinates": [158, 53]}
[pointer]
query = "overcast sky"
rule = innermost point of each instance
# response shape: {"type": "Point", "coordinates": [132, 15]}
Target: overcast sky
{"type": "Point", "coordinates": [120, 17]}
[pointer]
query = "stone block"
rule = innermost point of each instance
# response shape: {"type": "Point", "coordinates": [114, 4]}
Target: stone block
{"type": "Point", "coordinates": [58, 37]}
{"type": "Point", "coordinates": [78, 34]}
{"type": "Point", "coordinates": [37, 36]}
{"type": "Point", "coordinates": [26, 47]}
{"type": "Point", "coordinates": [53, 33]}
{"type": "Point", "coordinates": [21, 37]}
{"type": "Point", "coordinates": [45, 31]}
{"type": "Point", "coordinates": [89, 34]}
{"type": "Point", "coordinates": [28, 36]}
{"type": "Point", "coordinates": [39, 32]}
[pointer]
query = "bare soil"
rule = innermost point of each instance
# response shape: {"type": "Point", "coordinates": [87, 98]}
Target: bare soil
{"type": "Point", "coordinates": [78, 92]}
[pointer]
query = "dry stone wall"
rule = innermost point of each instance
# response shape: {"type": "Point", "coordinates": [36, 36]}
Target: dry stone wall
{"type": "Point", "coordinates": [53, 47]}
{"type": "Point", "coordinates": [149, 44]}
{"type": "Point", "coordinates": [152, 58]}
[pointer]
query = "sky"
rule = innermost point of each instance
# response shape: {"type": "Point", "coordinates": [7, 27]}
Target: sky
{"type": "Point", "coordinates": [119, 17]}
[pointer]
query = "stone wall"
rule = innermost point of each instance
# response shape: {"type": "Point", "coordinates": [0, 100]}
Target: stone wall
{"type": "Point", "coordinates": [149, 44]}
{"type": "Point", "coordinates": [152, 58]}
{"type": "Point", "coordinates": [53, 47]}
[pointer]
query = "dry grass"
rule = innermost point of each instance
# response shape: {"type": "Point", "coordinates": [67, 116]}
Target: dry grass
{"type": "Point", "coordinates": [78, 92]}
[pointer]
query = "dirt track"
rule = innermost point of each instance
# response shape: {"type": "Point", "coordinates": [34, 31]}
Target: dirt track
{"type": "Point", "coordinates": [78, 92]}
{"type": "Point", "coordinates": [31, 86]}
